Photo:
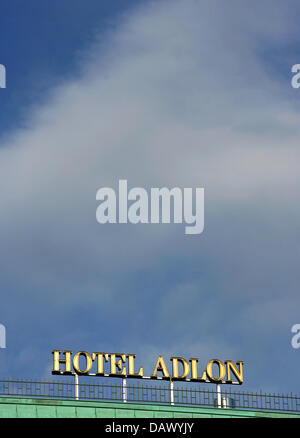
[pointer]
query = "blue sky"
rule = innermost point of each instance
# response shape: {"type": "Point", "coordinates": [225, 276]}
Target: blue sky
{"type": "Point", "coordinates": [164, 93]}
{"type": "Point", "coordinates": [40, 43]}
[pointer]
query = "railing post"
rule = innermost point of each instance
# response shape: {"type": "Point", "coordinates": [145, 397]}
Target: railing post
{"type": "Point", "coordinates": [171, 392]}
{"type": "Point", "coordinates": [76, 387]}
{"type": "Point", "coordinates": [124, 390]}
{"type": "Point", "coordinates": [219, 396]}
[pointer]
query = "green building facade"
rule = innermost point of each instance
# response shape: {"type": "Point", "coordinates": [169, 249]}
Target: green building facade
{"type": "Point", "coordinates": [23, 407]}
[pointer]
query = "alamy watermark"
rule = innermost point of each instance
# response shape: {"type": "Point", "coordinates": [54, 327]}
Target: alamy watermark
{"type": "Point", "coordinates": [2, 76]}
{"type": "Point", "coordinates": [296, 338]}
{"type": "Point", "coordinates": [295, 82]}
{"type": "Point", "coordinates": [2, 336]}
{"type": "Point", "coordinates": [161, 205]}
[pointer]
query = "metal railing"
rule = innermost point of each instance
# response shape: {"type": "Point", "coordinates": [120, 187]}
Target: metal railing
{"type": "Point", "coordinates": [150, 393]}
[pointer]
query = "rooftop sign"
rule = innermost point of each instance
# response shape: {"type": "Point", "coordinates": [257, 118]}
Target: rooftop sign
{"type": "Point", "coordinates": [123, 365]}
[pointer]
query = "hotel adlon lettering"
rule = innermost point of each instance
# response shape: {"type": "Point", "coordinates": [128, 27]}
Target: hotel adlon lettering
{"type": "Point", "coordinates": [123, 365]}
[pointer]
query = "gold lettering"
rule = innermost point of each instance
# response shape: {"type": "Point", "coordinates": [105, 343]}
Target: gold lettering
{"type": "Point", "coordinates": [209, 372]}
{"type": "Point", "coordinates": [185, 364]}
{"type": "Point", "coordinates": [114, 365]}
{"type": "Point", "coordinates": [99, 357]}
{"type": "Point", "coordinates": [57, 361]}
{"type": "Point", "coordinates": [232, 370]}
{"type": "Point", "coordinates": [161, 366]}
{"type": "Point", "coordinates": [238, 373]}
{"type": "Point", "coordinates": [88, 362]}
{"type": "Point", "coordinates": [194, 374]}
{"type": "Point", "coordinates": [131, 372]}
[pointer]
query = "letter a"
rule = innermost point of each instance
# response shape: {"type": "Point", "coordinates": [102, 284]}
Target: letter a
{"type": "Point", "coordinates": [106, 211]}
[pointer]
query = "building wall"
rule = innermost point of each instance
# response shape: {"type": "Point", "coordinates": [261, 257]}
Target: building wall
{"type": "Point", "coordinates": [13, 407]}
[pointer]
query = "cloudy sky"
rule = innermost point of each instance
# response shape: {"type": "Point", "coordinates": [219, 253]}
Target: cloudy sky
{"type": "Point", "coordinates": [166, 93]}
